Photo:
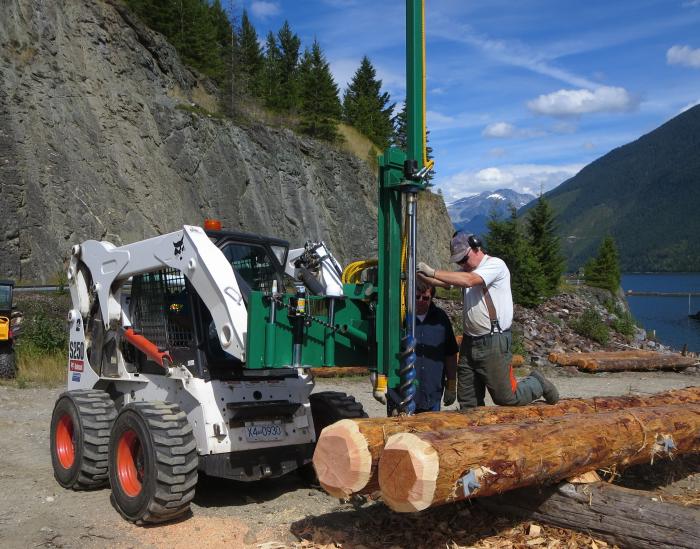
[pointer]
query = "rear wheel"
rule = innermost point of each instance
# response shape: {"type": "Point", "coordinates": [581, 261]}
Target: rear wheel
{"type": "Point", "coordinates": [8, 367]}
{"type": "Point", "coordinates": [327, 407]}
{"type": "Point", "coordinates": [152, 462]}
{"type": "Point", "coordinates": [80, 427]}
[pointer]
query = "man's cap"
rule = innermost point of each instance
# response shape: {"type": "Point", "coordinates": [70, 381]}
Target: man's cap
{"type": "Point", "coordinates": [459, 246]}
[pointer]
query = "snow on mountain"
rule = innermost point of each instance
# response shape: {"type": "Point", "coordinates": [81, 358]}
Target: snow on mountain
{"type": "Point", "coordinates": [472, 212]}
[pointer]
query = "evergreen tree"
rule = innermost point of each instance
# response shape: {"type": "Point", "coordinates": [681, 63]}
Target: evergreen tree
{"type": "Point", "coordinates": [288, 77]}
{"type": "Point", "coordinates": [320, 105]}
{"type": "Point", "coordinates": [250, 60]}
{"type": "Point", "coordinates": [545, 243]}
{"type": "Point", "coordinates": [365, 106]}
{"type": "Point", "coordinates": [506, 241]}
{"type": "Point", "coordinates": [269, 84]}
{"type": "Point", "coordinates": [603, 271]}
{"type": "Point", "coordinates": [399, 136]}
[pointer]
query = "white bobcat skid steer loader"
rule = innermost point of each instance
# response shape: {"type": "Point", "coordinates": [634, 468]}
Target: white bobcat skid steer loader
{"type": "Point", "coordinates": [158, 387]}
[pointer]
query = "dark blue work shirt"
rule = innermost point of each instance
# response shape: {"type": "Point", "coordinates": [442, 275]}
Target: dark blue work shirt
{"type": "Point", "coordinates": [435, 340]}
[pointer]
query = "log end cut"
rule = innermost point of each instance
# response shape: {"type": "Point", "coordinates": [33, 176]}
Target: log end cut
{"type": "Point", "coordinates": [408, 470]}
{"type": "Point", "coordinates": [342, 459]}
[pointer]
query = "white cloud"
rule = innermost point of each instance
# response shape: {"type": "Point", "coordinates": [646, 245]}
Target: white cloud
{"type": "Point", "coordinates": [691, 3]}
{"type": "Point", "coordinates": [262, 10]}
{"type": "Point", "coordinates": [497, 152]}
{"type": "Point", "coordinates": [499, 130]}
{"type": "Point", "coordinates": [437, 121]}
{"type": "Point", "coordinates": [683, 55]}
{"type": "Point", "coordinates": [523, 178]}
{"type": "Point", "coordinates": [582, 101]}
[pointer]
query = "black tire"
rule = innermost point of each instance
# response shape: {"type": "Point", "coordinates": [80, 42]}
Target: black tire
{"type": "Point", "coordinates": [80, 426]}
{"type": "Point", "coordinates": [8, 365]}
{"type": "Point", "coordinates": [152, 462]}
{"type": "Point", "coordinates": [327, 407]}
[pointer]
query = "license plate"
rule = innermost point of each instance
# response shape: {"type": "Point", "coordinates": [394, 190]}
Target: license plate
{"type": "Point", "coordinates": [262, 432]}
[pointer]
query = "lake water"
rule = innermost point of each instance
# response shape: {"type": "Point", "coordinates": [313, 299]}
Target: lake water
{"type": "Point", "coordinates": [667, 315]}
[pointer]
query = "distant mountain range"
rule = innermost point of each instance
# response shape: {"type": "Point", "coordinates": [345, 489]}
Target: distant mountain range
{"type": "Point", "coordinates": [472, 213]}
{"type": "Point", "coordinates": [645, 194]}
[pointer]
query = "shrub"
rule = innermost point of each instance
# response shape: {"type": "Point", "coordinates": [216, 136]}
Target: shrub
{"type": "Point", "coordinates": [624, 324]}
{"type": "Point", "coordinates": [590, 325]}
{"type": "Point", "coordinates": [518, 347]}
{"type": "Point", "coordinates": [43, 333]}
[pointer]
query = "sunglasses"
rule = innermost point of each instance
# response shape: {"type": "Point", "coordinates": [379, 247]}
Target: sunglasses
{"type": "Point", "coordinates": [465, 258]}
{"type": "Point", "coordinates": [423, 297]}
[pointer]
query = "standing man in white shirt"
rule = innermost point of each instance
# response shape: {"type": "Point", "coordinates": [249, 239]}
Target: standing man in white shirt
{"type": "Point", "coordinates": [485, 354]}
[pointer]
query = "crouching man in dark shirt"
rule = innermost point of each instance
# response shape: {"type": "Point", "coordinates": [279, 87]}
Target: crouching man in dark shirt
{"type": "Point", "coordinates": [436, 353]}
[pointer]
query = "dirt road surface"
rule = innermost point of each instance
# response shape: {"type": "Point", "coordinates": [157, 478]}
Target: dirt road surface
{"type": "Point", "coordinates": [36, 512]}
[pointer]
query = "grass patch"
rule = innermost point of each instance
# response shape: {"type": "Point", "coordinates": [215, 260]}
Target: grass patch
{"type": "Point", "coordinates": [36, 367]}
{"type": "Point", "coordinates": [193, 108]}
{"type": "Point", "coordinates": [590, 325]}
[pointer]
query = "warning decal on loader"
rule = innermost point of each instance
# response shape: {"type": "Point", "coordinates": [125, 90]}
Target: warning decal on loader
{"type": "Point", "coordinates": [76, 365]}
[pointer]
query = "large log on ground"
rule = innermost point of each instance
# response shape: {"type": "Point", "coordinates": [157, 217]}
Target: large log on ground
{"type": "Point", "coordinates": [421, 470]}
{"type": "Point", "coordinates": [618, 361]}
{"type": "Point", "coordinates": [347, 452]}
{"type": "Point", "coordinates": [625, 517]}
{"type": "Point", "coordinates": [339, 371]}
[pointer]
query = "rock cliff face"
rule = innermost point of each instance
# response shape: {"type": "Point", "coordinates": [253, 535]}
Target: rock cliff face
{"type": "Point", "coordinates": [98, 139]}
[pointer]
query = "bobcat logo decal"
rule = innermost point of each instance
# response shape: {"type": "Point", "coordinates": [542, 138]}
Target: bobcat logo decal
{"type": "Point", "coordinates": [179, 247]}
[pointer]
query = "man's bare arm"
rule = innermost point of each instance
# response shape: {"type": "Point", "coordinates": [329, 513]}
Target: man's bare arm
{"type": "Point", "coordinates": [432, 281]}
{"type": "Point", "coordinates": [458, 278]}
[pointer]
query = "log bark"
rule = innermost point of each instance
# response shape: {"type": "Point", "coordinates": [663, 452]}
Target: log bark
{"type": "Point", "coordinates": [421, 470]}
{"type": "Point", "coordinates": [618, 361]}
{"type": "Point", "coordinates": [364, 439]}
{"type": "Point", "coordinates": [624, 517]}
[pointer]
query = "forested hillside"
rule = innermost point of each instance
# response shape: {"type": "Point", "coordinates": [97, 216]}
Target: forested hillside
{"type": "Point", "coordinates": [646, 195]}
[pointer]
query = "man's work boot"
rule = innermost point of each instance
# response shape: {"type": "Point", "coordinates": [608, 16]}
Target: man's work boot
{"type": "Point", "coordinates": [549, 391]}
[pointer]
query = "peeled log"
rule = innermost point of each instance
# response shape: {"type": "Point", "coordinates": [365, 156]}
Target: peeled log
{"type": "Point", "coordinates": [421, 470]}
{"type": "Point", "coordinates": [347, 452]}
{"type": "Point", "coordinates": [619, 361]}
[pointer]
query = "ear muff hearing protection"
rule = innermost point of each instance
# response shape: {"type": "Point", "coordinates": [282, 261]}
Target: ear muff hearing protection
{"type": "Point", "coordinates": [474, 242]}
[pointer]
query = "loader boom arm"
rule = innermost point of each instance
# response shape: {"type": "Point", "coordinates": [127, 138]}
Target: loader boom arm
{"type": "Point", "coordinates": [190, 251]}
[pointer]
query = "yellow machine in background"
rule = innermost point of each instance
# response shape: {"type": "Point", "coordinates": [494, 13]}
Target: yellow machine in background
{"type": "Point", "coordinates": [8, 367]}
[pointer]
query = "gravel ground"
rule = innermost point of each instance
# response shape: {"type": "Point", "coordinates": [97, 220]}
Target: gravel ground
{"type": "Point", "coordinates": [36, 512]}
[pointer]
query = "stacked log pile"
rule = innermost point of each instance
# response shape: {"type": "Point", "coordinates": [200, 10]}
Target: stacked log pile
{"type": "Point", "coordinates": [423, 461]}
{"type": "Point", "coordinates": [623, 361]}
{"type": "Point", "coordinates": [348, 452]}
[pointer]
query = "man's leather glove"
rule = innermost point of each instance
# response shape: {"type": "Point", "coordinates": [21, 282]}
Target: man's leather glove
{"type": "Point", "coordinates": [426, 269]}
{"type": "Point", "coordinates": [450, 392]}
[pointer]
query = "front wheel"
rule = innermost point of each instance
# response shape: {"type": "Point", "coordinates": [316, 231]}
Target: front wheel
{"type": "Point", "coordinates": [8, 365]}
{"type": "Point", "coordinates": [80, 426]}
{"type": "Point", "coordinates": [152, 462]}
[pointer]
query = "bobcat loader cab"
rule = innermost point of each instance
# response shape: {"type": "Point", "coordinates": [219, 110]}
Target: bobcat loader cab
{"type": "Point", "coordinates": [159, 385]}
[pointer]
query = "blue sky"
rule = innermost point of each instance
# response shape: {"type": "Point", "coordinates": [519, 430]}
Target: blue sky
{"type": "Point", "coordinates": [521, 93]}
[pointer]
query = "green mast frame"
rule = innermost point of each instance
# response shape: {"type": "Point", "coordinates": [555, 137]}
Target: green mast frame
{"type": "Point", "coordinates": [396, 171]}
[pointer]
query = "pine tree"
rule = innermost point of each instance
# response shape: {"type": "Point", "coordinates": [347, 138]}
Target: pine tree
{"type": "Point", "coordinates": [320, 105]}
{"type": "Point", "coordinates": [366, 108]}
{"type": "Point", "coordinates": [250, 60]}
{"type": "Point", "coordinates": [545, 243]}
{"type": "Point", "coordinates": [269, 79]}
{"type": "Point", "coordinates": [506, 241]}
{"type": "Point", "coordinates": [603, 271]}
{"type": "Point", "coordinates": [288, 90]}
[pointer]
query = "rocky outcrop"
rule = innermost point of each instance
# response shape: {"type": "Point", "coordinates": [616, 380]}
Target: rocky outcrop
{"type": "Point", "coordinates": [104, 134]}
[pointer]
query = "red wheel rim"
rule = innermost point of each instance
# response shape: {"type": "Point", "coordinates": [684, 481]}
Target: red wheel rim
{"type": "Point", "coordinates": [130, 463]}
{"type": "Point", "coordinates": [65, 446]}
